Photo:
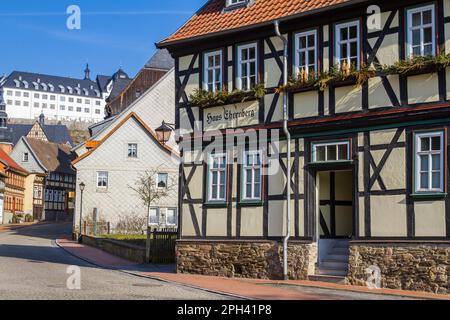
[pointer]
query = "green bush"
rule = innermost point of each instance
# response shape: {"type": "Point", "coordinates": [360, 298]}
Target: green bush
{"type": "Point", "coordinates": [17, 218]}
{"type": "Point", "coordinates": [29, 218]}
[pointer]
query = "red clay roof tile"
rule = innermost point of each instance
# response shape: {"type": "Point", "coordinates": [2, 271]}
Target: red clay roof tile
{"type": "Point", "coordinates": [211, 18]}
{"type": "Point", "coordinates": [8, 161]}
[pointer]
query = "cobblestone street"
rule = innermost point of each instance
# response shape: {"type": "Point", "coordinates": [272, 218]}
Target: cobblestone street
{"type": "Point", "coordinates": [33, 267]}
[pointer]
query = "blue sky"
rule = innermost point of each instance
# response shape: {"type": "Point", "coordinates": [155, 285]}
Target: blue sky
{"type": "Point", "coordinates": [34, 36]}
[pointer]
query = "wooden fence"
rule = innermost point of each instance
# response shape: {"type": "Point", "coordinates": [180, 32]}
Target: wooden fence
{"type": "Point", "coordinates": [162, 246]}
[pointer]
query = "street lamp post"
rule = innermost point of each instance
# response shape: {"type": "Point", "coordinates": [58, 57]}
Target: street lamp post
{"type": "Point", "coordinates": [82, 186]}
{"type": "Point", "coordinates": [164, 132]}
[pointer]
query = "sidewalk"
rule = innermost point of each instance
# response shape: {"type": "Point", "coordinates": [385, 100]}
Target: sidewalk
{"type": "Point", "coordinates": [244, 288]}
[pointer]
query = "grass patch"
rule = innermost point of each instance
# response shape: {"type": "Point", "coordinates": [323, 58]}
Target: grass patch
{"type": "Point", "coordinates": [136, 239]}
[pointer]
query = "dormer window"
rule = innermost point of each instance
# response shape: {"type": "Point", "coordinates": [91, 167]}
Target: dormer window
{"type": "Point", "coordinates": [236, 3]}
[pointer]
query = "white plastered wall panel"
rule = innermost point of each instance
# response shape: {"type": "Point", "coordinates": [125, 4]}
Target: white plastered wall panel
{"type": "Point", "coordinates": [430, 218]}
{"type": "Point", "coordinates": [196, 183]}
{"type": "Point", "coordinates": [272, 73]}
{"type": "Point", "coordinates": [188, 227]}
{"type": "Point", "coordinates": [423, 88]}
{"type": "Point", "coordinates": [348, 99]}
{"type": "Point", "coordinates": [278, 113]}
{"type": "Point", "coordinates": [306, 104]}
{"type": "Point", "coordinates": [393, 172]}
{"type": "Point", "coordinates": [252, 220]}
{"type": "Point", "coordinates": [216, 223]}
{"type": "Point", "coordinates": [185, 61]}
{"type": "Point", "coordinates": [378, 96]}
{"type": "Point", "coordinates": [361, 221]}
{"type": "Point", "coordinates": [388, 216]}
{"type": "Point", "coordinates": [192, 84]}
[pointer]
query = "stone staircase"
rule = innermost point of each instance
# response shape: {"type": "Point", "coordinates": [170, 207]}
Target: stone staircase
{"type": "Point", "coordinates": [334, 266]}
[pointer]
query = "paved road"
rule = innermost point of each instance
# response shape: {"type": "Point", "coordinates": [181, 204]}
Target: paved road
{"type": "Point", "coordinates": [33, 267]}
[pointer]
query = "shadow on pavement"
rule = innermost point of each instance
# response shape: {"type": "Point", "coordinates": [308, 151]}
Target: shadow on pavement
{"type": "Point", "coordinates": [39, 254]}
{"type": "Point", "coordinates": [48, 231]}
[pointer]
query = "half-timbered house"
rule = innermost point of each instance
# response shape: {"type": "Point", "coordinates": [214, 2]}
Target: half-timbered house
{"type": "Point", "coordinates": [362, 180]}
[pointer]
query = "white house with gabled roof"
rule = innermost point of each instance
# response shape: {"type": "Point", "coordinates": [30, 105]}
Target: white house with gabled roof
{"type": "Point", "coordinates": [122, 150]}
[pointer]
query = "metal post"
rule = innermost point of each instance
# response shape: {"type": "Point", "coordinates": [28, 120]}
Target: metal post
{"type": "Point", "coordinates": [147, 246]}
{"type": "Point", "coordinates": [94, 214]}
{"type": "Point", "coordinates": [80, 238]}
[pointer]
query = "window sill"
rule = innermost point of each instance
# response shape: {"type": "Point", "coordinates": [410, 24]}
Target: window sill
{"type": "Point", "coordinates": [427, 196]}
{"type": "Point", "coordinates": [215, 205]}
{"type": "Point", "coordinates": [421, 71]}
{"type": "Point", "coordinates": [351, 81]}
{"type": "Point", "coordinates": [330, 163]}
{"type": "Point", "coordinates": [251, 203]}
{"type": "Point", "coordinates": [301, 88]}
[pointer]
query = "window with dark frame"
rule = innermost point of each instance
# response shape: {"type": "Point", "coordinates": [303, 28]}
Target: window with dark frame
{"type": "Point", "coordinates": [162, 180]}
{"type": "Point", "coordinates": [102, 179]}
{"type": "Point", "coordinates": [132, 150]}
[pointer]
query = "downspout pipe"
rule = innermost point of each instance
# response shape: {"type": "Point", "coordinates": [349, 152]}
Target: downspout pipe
{"type": "Point", "coordinates": [288, 141]}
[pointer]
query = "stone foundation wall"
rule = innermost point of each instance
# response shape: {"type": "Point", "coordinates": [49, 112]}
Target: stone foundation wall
{"type": "Point", "coordinates": [245, 259]}
{"type": "Point", "coordinates": [407, 266]}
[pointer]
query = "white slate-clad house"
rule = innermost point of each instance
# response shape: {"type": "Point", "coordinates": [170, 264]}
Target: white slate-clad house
{"type": "Point", "coordinates": [121, 151]}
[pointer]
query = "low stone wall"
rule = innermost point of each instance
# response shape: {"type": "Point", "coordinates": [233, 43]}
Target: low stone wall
{"type": "Point", "coordinates": [245, 259]}
{"type": "Point", "coordinates": [117, 248]}
{"type": "Point", "coordinates": [407, 266]}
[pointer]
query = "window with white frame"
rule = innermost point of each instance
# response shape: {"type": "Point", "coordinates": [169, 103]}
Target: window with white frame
{"type": "Point", "coordinates": [153, 217]}
{"type": "Point", "coordinates": [132, 150]}
{"type": "Point", "coordinates": [231, 3]}
{"type": "Point", "coordinates": [217, 177]}
{"type": "Point", "coordinates": [171, 217]}
{"type": "Point", "coordinates": [429, 164]}
{"type": "Point", "coordinates": [421, 31]}
{"type": "Point", "coordinates": [331, 151]}
{"type": "Point", "coordinates": [305, 53]}
{"type": "Point", "coordinates": [102, 179]}
{"type": "Point", "coordinates": [247, 66]}
{"type": "Point", "coordinates": [25, 157]}
{"type": "Point", "coordinates": [162, 180]}
{"type": "Point", "coordinates": [213, 71]}
{"type": "Point", "coordinates": [348, 44]}
{"type": "Point", "coordinates": [252, 175]}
